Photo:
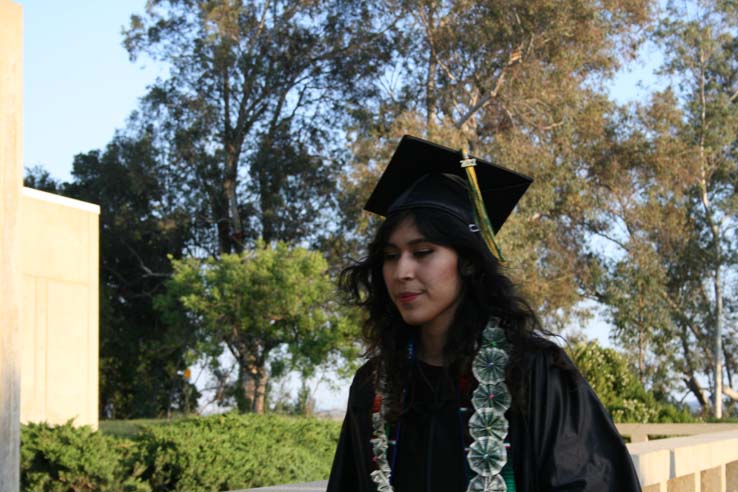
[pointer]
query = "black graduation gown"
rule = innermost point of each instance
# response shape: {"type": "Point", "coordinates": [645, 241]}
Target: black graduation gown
{"type": "Point", "coordinates": [564, 441]}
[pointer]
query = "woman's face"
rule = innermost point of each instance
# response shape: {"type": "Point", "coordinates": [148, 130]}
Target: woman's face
{"type": "Point", "coordinates": [422, 278]}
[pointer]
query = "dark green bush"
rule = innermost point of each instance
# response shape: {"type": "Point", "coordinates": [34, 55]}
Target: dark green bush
{"type": "Point", "coordinates": [619, 389]}
{"type": "Point", "coordinates": [221, 452]}
{"type": "Point", "coordinates": [66, 458]}
{"type": "Point", "coordinates": [227, 452]}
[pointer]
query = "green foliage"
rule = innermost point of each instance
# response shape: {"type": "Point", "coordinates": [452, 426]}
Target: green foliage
{"type": "Point", "coordinates": [619, 389]}
{"type": "Point", "coordinates": [520, 85]}
{"type": "Point", "coordinates": [221, 452]}
{"type": "Point", "coordinates": [39, 178]}
{"type": "Point", "coordinates": [228, 452]}
{"type": "Point", "coordinates": [64, 458]}
{"type": "Point", "coordinates": [665, 176]}
{"type": "Point", "coordinates": [128, 428]}
{"type": "Point", "coordinates": [140, 224]}
{"type": "Point", "coordinates": [253, 98]}
{"type": "Point", "coordinates": [274, 305]}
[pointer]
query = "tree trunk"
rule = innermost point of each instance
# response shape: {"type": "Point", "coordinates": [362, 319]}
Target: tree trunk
{"type": "Point", "coordinates": [641, 343]}
{"type": "Point", "coordinates": [253, 378]}
{"type": "Point", "coordinates": [220, 215]}
{"type": "Point", "coordinates": [641, 356]}
{"type": "Point", "coordinates": [230, 183]}
{"type": "Point", "coordinates": [698, 392]}
{"type": "Point", "coordinates": [248, 386]}
{"type": "Point", "coordinates": [271, 178]}
{"type": "Point", "coordinates": [718, 349]}
{"type": "Point", "coordinates": [268, 215]}
{"type": "Point", "coordinates": [714, 229]}
{"type": "Point", "coordinates": [689, 380]}
{"type": "Point", "coordinates": [261, 378]}
{"type": "Point", "coordinates": [729, 360]}
{"type": "Point", "coordinates": [430, 83]}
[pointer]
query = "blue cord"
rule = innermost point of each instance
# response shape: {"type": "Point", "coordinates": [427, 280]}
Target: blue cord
{"type": "Point", "coordinates": [461, 435]}
{"type": "Point", "coordinates": [412, 356]}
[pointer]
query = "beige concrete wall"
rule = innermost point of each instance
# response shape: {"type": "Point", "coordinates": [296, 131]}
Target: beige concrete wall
{"type": "Point", "coordinates": [59, 357]}
{"type": "Point", "coordinates": [11, 124]}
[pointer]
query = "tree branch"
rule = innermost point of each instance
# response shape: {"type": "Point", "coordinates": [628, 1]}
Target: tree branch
{"type": "Point", "coordinates": [730, 393]}
{"type": "Point", "coordinates": [147, 271]}
{"type": "Point", "coordinates": [515, 57]}
{"type": "Point", "coordinates": [734, 96]}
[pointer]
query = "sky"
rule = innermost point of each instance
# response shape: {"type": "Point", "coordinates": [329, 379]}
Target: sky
{"type": "Point", "coordinates": [80, 86]}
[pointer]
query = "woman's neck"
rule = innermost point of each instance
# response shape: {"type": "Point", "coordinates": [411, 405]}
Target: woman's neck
{"type": "Point", "coordinates": [433, 336]}
{"type": "Point", "coordinates": [432, 343]}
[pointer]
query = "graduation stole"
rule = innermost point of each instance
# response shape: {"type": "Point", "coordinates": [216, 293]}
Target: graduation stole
{"type": "Point", "coordinates": [487, 454]}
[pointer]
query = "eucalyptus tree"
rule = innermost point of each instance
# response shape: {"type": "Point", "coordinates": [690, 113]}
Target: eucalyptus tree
{"type": "Point", "coordinates": [703, 57]}
{"type": "Point", "coordinates": [519, 82]}
{"type": "Point", "coordinates": [251, 105]}
{"type": "Point", "coordinates": [669, 205]}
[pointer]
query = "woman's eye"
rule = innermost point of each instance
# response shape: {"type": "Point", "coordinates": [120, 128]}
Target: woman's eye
{"type": "Point", "coordinates": [390, 256]}
{"type": "Point", "coordinates": [422, 252]}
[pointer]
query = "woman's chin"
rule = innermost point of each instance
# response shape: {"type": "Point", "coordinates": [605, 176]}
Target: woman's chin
{"type": "Point", "coordinates": [413, 319]}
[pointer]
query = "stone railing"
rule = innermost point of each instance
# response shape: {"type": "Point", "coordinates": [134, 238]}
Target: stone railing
{"type": "Point", "coordinates": [641, 432]}
{"type": "Point", "coordinates": [703, 462]}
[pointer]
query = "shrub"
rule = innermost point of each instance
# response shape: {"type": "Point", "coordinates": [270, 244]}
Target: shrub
{"type": "Point", "coordinates": [619, 389]}
{"type": "Point", "coordinates": [221, 452]}
{"type": "Point", "coordinates": [227, 452]}
{"type": "Point", "coordinates": [65, 458]}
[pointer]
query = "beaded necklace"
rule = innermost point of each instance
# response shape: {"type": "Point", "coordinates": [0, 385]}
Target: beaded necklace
{"type": "Point", "coordinates": [487, 454]}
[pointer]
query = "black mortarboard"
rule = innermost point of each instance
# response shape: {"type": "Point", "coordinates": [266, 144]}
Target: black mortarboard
{"type": "Point", "coordinates": [417, 176]}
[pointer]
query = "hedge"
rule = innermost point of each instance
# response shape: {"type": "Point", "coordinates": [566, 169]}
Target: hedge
{"type": "Point", "coordinates": [65, 458]}
{"type": "Point", "coordinates": [221, 452]}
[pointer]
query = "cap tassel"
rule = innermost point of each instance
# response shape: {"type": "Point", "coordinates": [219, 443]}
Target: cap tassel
{"type": "Point", "coordinates": [480, 212]}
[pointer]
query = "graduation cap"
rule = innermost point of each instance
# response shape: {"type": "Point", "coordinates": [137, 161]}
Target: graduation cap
{"type": "Point", "coordinates": [428, 175]}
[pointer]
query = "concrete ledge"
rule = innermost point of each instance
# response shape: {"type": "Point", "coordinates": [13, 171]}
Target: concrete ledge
{"type": "Point", "coordinates": [640, 432]}
{"type": "Point", "coordinates": [697, 463]}
{"type": "Point", "coordinates": [61, 200]}
{"type": "Point", "coordinates": [294, 487]}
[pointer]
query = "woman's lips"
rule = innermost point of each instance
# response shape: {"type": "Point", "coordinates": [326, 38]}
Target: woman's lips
{"type": "Point", "coordinates": [406, 297]}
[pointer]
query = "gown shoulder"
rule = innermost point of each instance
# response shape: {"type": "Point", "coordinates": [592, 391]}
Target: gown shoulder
{"type": "Point", "coordinates": [352, 462]}
{"type": "Point", "coordinates": [361, 392]}
{"type": "Point", "coordinates": [567, 434]}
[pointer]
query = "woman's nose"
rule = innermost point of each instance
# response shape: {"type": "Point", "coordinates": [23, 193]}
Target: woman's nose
{"type": "Point", "coordinates": [405, 268]}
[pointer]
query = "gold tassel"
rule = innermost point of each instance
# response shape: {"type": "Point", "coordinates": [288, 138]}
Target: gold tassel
{"type": "Point", "coordinates": [480, 212]}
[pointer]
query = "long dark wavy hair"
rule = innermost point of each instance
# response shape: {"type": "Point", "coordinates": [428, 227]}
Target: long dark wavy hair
{"type": "Point", "coordinates": [486, 292]}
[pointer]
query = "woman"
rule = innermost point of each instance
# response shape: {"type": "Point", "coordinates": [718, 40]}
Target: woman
{"type": "Point", "coordinates": [461, 391]}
